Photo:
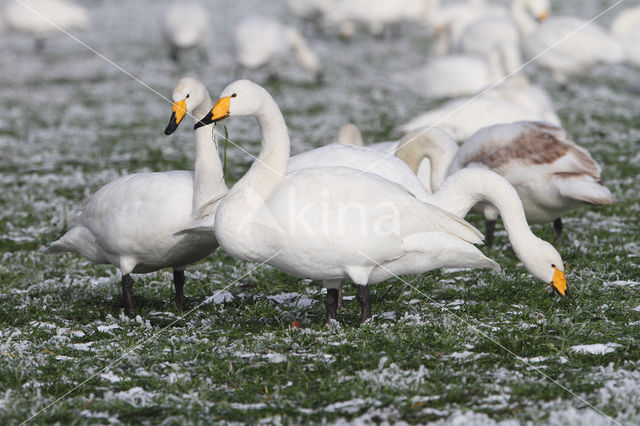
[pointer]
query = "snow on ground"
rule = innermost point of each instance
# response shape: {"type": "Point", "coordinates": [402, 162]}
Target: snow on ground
{"type": "Point", "coordinates": [71, 123]}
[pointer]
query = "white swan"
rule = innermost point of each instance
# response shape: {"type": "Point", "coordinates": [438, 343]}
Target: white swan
{"type": "Point", "coordinates": [514, 99]}
{"type": "Point", "coordinates": [449, 21]}
{"type": "Point", "coordinates": [550, 172]}
{"type": "Point", "coordinates": [130, 222]}
{"type": "Point", "coordinates": [304, 223]}
{"type": "Point", "coordinates": [260, 41]}
{"type": "Point", "coordinates": [511, 102]}
{"type": "Point", "coordinates": [451, 75]}
{"type": "Point", "coordinates": [626, 28]}
{"type": "Point", "coordinates": [44, 19]}
{"type": "Point", "coordinates": [585, 45]}
{"type": "Point", "coordinates": [376, 15]}
{"type": "Point", "coordinates": [483, 35]}
{"type": "Point", "coordinates": [349, 134]}
{"type": "Point", "coordinates": [187, 26]}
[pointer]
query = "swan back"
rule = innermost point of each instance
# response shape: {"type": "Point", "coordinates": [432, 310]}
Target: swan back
{"type": "Point", "coordinates": [362, 158]}
{"type": "Point", "coordinates": [58, 13]}
{"type": "Point", "coordinates": [626, 23]}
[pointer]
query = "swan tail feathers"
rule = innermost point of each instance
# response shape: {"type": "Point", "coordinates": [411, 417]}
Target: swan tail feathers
{"type": "Point", "coordinates": [447, 251]}
{"type": "Point", "coordinates": [203, 227]}
{"type": "Point", "coordinates": [82, 241]}
{"type": "Point", "coordinates": [75, 240]}
{"type": "Point", "coordinates": [585, 189]}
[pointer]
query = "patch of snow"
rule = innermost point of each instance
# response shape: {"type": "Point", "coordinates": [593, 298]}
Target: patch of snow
{"type": "Point", "coordinates": [110, 377]}
{"type": "Point", "coordinates": [239, 406]}
{"type": "Point", "coordinates": [136, 397]}
{"type": "Point", "coordinates": [82, 346]}
{"type": "Point", "coordinates": [621, 283]}
{"type": "Point", "coordinates": [95, 415]}
{"type": "Point", "coordinates": [351, 406]}
{"type": "Point", "coordinates": [107, 328]}
{"type": "Point", "coordinates": [220, 297]}
{"type": "Point", "coordinates": [596, 348]}
{"type": "Point", "coordinates": [387, 315]}
{"type": "Point", "coordinates": [276, 358]}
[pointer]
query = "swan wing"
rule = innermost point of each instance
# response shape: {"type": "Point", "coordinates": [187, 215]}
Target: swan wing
{"type": "Point", "coordinates": [367, 159]}
{"type": "Point", "coordinates": [509, 149]}
{"type": "Point", "coordinates": [140, 212]}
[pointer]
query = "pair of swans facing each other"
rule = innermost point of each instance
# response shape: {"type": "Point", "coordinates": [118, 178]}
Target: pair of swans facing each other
{"type": "Point", "coordinates": [120, 232]}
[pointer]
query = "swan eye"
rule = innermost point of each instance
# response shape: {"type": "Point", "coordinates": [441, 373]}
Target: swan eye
{"type": "Point", "coordinates": [234, 95]}
{"type": "Point", "coordinates": [553, 266]}
{"type": "Point", "coordinates": [187, 95]}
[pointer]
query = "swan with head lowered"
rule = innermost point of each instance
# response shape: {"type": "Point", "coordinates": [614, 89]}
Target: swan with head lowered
{"type": "Point", "coordinates": [399, 161]}
{"type": "Point", "coordinates": [260, 41]}
{"type": "Point", "coordinates": [44, 19]}
{"type": "Point", "coordinates": [551, 174]}
{"type": "Point", "coordinates": [567, 45]}
{"type": "Point", "coordinates": [131, 221]}
{"type": "Point", "coordinates": [187, 25]}
{"type": "Point", "coordinates": [334, 222]}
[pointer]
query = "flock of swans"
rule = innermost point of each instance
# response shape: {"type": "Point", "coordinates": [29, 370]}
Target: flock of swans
{"type": "Point", "coordinates": [362, 213]}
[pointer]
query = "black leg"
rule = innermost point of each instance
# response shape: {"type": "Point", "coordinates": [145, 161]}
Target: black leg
{"type": "Point", "coordinates": [39, 45]}
{"type": "Point", "coordinates": [127, 285]}
{"type": "Point", "coordinates": [173, 53]}
{"type": "Point", "coordinates": [364, 298]}
{"type": "Point", "coordinates": [331, 302]}
{"type": "Point", "coordinates": [178, 282]}
{"type": "Point", "coordinates": [340, 298]}
{"type": "Point", "coordinates": [490, 226]}
{"type": "Point", "coordinates": [557, 226]}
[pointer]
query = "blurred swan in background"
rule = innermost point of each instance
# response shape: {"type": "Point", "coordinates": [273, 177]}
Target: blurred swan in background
{"type": "Point", "coordinates": [483, 35]}
{"type": "Point", "coordinates": [187, 26]}
{"type": "Point", "coordinates": [452, 75]}
{"type": "Point", "coordinates": [626, 28]}
{"type": "Point", "coordinates": [260, 42]}
{"type": "Point", "coordinates": [376, 15]}
{"type": "Point", "coordinates": [44, 19]}
{"type": "Point", "coordinates": [449, 20]}
{"type": "Point", "coordinates": [574, 46]}
{"type": "Point", "coordinates": [513, 99]}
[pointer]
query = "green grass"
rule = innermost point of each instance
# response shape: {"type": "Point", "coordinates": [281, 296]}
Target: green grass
{"type": "Point", "coordinates": [460, 346]}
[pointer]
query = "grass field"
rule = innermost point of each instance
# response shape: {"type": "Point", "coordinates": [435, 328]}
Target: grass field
{"type": "Point", "coordinates": [452, 347]}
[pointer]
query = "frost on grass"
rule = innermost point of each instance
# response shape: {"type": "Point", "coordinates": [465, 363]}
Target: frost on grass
{"type": "Point", "coordinates": [62, 319]}
{"type": "Point", "coordinates": [596, 348]}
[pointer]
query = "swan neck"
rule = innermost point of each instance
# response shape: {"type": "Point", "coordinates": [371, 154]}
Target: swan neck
{"type": "Point", "coordinates": [303, 51]}
{"type": "Point", "coordinates": [270, 166]}
{"type": "Point", "coordinates": [464, 189]}
{"type": "Point", "coordinates": [526, 23]}
{"type": "Point", "coordinates": [208, 177]}
{"type": "Point", "coordinates": [441, 160]}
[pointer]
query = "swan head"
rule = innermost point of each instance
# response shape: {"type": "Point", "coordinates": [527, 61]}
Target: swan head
{"type": "Point", "coordinates": [545, 263]}
{"type": "Point", "coordinates": [349, 134]}
{"type": "Point", "coordinates": [538, 8]}
{"type": "Point", "coordinates": [240, 98]}
{"type": "Point", "coordinates": [188, 95]}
